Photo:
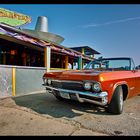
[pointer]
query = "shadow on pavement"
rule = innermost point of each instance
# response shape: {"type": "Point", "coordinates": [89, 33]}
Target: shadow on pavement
{"type": "Point", "coordinates": [44, 103]}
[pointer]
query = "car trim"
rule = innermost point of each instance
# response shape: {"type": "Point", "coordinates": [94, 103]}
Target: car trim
{"type": "Point", "coordinates": [102, 95]}
{"type": "Point", "coordinates": [67, 81]}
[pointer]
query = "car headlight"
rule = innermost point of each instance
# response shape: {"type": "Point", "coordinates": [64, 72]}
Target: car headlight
{"type": "Point", "coordinates": [49, 81]}
{"type": "Point", "coordinates": [96, 87]}
{"type": "Point", "coordinates": [87, 85]}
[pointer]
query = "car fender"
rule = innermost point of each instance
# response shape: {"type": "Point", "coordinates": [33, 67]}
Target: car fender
{"type": "Point", "coordinates": [116, 85]}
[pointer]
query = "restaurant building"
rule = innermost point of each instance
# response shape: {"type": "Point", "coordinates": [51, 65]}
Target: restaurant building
{"type": "Point", "coordinates": [25, 55]}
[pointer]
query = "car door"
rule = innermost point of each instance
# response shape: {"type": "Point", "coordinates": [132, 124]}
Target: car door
{"type": "Point", "coordinates": [137, 78]}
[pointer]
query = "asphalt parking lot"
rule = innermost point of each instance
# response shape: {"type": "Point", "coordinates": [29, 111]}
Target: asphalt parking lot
{"type": "Point", "coordinates": [45, 115]}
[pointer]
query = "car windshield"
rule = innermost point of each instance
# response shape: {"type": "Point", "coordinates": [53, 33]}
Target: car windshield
{"type": "Point", "coordinates": [110, 64]}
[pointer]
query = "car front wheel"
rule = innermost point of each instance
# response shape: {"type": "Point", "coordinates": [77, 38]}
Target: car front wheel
{"type": "Point", "coordinates": [116, 104]}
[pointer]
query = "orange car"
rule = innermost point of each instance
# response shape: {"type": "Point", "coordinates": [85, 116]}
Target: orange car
{"type": "Point", "coordinates": [107, 82]}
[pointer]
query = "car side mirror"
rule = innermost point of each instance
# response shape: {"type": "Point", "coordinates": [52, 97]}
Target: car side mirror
{"type": "Point", "coordinates": [135, 70]}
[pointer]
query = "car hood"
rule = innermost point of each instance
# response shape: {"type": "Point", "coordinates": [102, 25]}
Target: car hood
{"type": "Point", "coordinates": [75, 75]}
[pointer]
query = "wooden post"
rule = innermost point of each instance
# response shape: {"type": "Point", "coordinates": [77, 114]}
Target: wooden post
{"type": "Point", "coordinates": [47, 59]}
{"type": "Point", "coordinates": [24, 57]}
{"type": "Point", "coordinates": [83, 52]}
{"type": "Point", "coordinates": [72, 66]}
{"type": "Point", "coordinates": [66, 62]}
{"type": "Point", "coordinates": [4, 59]}
{"type": "Point", "coordinates": [83, 63]}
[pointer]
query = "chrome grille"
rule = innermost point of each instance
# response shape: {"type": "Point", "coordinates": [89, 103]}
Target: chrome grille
{"type": "Point", "coordinates": [71, 85]}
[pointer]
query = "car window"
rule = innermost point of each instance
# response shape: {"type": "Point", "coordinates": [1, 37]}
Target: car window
{"type": "Point", "coordinates": [112, 64]}
{"type": "Point", "coordinates": [132, 65]}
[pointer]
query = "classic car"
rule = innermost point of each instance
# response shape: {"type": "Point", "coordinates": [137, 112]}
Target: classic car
{"type": "Point", "coordinates": [107, 82]}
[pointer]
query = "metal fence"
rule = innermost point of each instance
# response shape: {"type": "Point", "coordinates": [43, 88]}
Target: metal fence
{"type": "Point", "coordinates": [19, 80]}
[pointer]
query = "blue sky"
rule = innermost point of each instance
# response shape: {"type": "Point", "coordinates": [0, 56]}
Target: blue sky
{"type": "Point", "coordinates": [113, 30]}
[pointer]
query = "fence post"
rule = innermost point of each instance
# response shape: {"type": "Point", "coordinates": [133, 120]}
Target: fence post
{"type": "Point", "coordinates": [13, 81]}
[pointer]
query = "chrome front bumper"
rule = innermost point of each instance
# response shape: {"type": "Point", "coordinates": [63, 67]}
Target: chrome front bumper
{"type": "Point", "coordinates": [102, 97]}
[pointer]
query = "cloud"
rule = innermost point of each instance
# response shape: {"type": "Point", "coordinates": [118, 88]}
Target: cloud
{"type": "Point", "coordinates": [111, 22]}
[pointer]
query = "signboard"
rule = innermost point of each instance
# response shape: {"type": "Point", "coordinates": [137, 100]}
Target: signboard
{"type": "Point", "coordinates": [13, 18]}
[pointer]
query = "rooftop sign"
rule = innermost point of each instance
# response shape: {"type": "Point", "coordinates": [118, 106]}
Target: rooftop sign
{"type": "Point", "coordinates": [13, 18]}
